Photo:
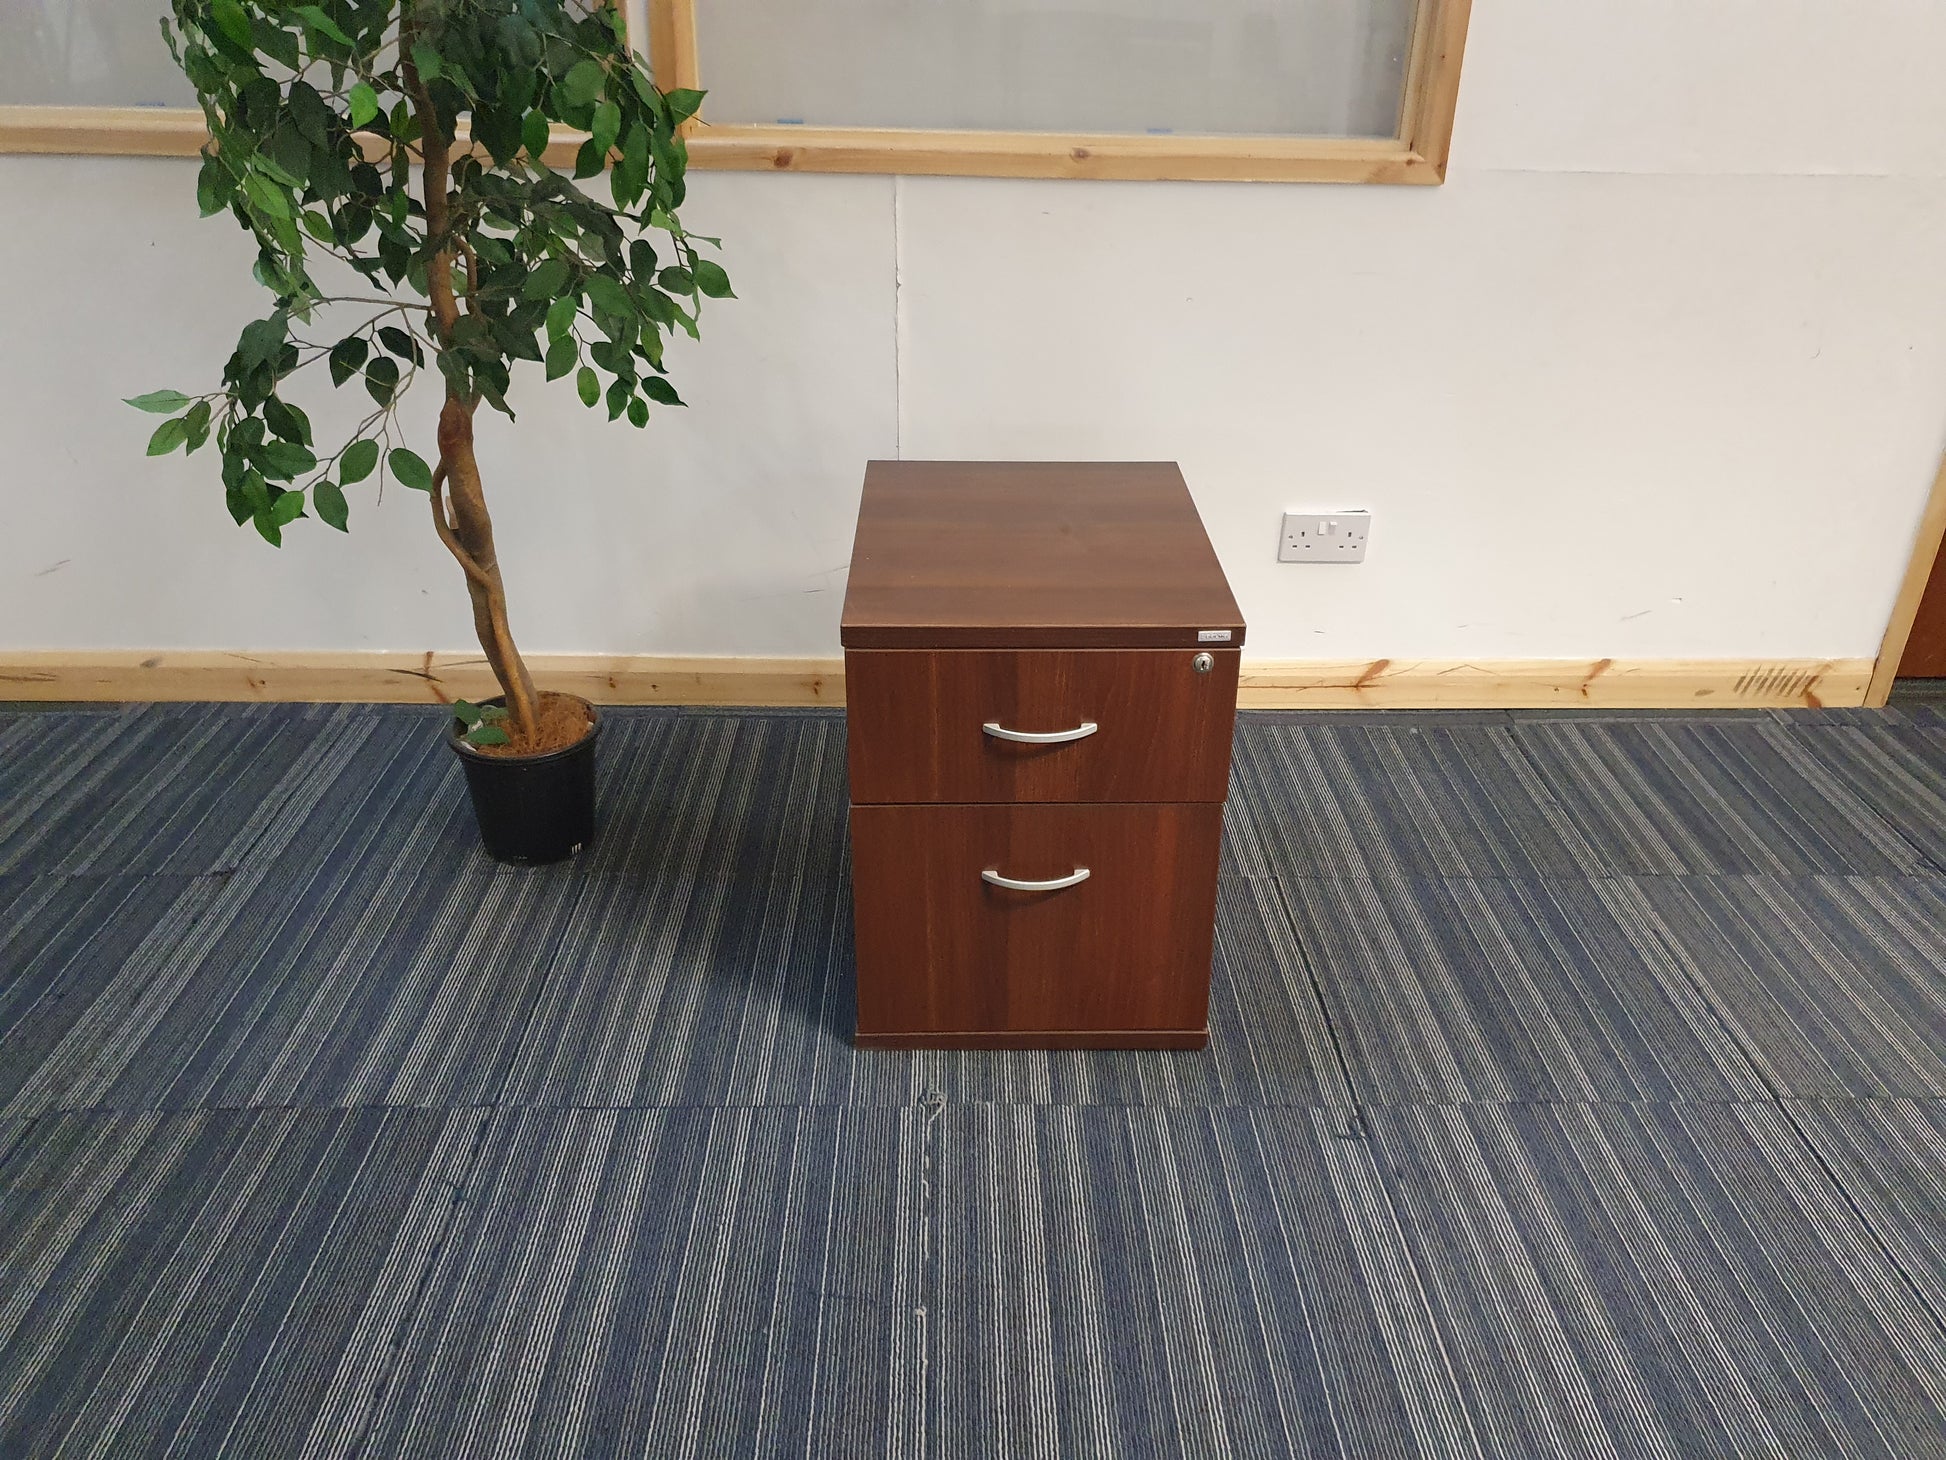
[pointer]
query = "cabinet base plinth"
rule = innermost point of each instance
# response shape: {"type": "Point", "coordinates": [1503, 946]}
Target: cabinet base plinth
{"type": "Point", "coordinates": [1040, 1039]}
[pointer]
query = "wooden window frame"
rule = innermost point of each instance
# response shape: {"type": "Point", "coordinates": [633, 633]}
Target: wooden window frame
{"type": "Point", "coordinates": [1417, 155]}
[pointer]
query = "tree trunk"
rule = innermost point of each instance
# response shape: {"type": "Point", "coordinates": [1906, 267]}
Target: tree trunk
{"type": "Point", "coordinates": [460, 516]}
{"type": "Point", "coordinates": [459, 509]}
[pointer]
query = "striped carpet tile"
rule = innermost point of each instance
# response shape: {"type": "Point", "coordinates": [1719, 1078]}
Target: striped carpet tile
{"type": "Point", "coordinates": [1832, 986]}
{"type": "Point", "coordinates": [1244, 854]}
{"type": "Point", "coordinates": [708, 960]}
{"type": "Point", "coordinates": [1668, 797]}
{"type": "Point", "coordinates": [49, 926]}
{"type": "Point", "coordinates": [752, 1002]}
{"type": "Point", "coordinates": [213, 1283]}
{"type": "Point", "coordinates": [374, 957]}
{"type": "Point", "coordinates": [1447, 800]}
{"type": "Point", "coordinates": [1900, 714]}
{"type": "Point", "coordinates": [673, 1283]}
{"type": "Point", "coordinates": [169, 788]}
{"type": "Point", "coordinates": [63, 941]}
{"type": "Point", "coordinates": [1900, 774]}
{"type": "Point", "coordinates": [1456, 989]}
{"type": "Point", "coordinates": [1214, 1283]}
{"type": "Point", "coordinates": [1659, 1280]}
{"type": "Point", "coordinates": [1889, 1158]}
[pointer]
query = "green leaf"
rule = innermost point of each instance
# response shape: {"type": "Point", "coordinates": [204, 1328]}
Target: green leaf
{"type": "Point", "coordinates": [401, 344]}
{"type": "Point", "coordinates": [487, 735]}
{"type": "Point", "coordinates": [683, 103]}
{"type": "Point", "coordinates": [333, 510]}
{"type": "Point", "coordinates": [677, 281]}
{"type": "Point", "coordinates": [633, 175]}
{"type": "Point", "coordinates": [347, 356]}
{"type": "Point", "coordinates": [308, 111]}
{"type": "Point", "coordinates": [430, 65]}
{"type": "Point", "coordinates": [382, 380]}
{"type": "Point", "coordinates": [159, 402]}
{"type": "Point", "coordinates": [711, 279]}
{"type": "Point", "coordinates": [466, 712]}
{"type": "Point", "coordinates": [364, 104]}
{"type": "Point", "coordinates": [410, 469]}
{"type": "Point", "coordinates": [534, 134]}
{"type": "Point", "coordinates": [269, 197]}
{"type": "Point", "coordinates": [279, 44]}
{"type": "Point", "coordinates": [317, 20]}
{"type": "Point", "coordinates": [287, 421]}
{"type": "Point", "coordinates": [583, 83]}
{"type": "Point", "coordinates": [587, 382]}
{"type": "Point", "coordinates": [560, 316]}
{"type": "Point", "coordinates": [494, 714]}
{"type": "Point", "coordinates": [358, 462]}
{"type": "Point", "coordinates": [638, 412]}
{"type": "Point", "coordinates": [287, 508]}
{"type": "Point", "coordinates": [318, 226]}
{"type": "Point", "coordinates": [255, 492]}
{"type": "Point", "coordinates": [589, 160]}
{"type": "Point", "coordinates": [214, 187]}
{"type": "Point", "coordinates": [168, 436]}
{"type": "Point", "coordinates": [281, 460]}
{"type": "Point", "coordinates": [197, 424]}
{"type": "Point", "coordinates": [562, 356]}
{"type": "Point", "coordinates": [660, 390]}
{"type": "Point", "coordinates": [262, 341]}
{"type": "Point", "coordinates": [606, 127]}
{"type": "Point", "coordinates": [268, 527]}
{"type": "Point", "coordinates": [608, 296]}
{"type": "Point", "coordinates": [547, 281]}
{"type": "Point", "coordinates": [229, 17]}
{"type": "Point", "coordinates": [292, 154]}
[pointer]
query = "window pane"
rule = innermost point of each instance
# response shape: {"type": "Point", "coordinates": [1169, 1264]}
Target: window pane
{"type": "Point", "coordinates": [87, 53]}
{"type": "Point", "coordinates": [1332, 68]}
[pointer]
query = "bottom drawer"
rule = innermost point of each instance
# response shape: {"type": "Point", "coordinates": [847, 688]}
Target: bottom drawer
{"type": "Point", "coordinates": [1120, 958]}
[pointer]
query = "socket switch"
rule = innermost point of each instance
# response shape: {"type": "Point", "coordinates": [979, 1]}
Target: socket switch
{"type": "Point", "coordinates": [1324, 537]}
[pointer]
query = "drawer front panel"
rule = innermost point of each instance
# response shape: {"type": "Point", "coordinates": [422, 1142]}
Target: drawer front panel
{"type": "Point", "coordinates": [944, 950]}
{"type": "Point", "coordinates": [916, 722]}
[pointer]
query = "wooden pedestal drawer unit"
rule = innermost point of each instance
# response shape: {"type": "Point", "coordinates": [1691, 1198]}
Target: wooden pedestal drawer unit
{"type": "Point", "coordinates": [1041, 673]}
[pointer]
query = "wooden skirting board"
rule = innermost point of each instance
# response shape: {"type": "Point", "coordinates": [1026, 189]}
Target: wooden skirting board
{"type": "Point", "coordinates": [1384, 684]}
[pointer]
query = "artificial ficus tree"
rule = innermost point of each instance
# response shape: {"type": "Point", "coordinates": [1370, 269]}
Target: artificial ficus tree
{"type": "Point", "coordinates": [404, 142]}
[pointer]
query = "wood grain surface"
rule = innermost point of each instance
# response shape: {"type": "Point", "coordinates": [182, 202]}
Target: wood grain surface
{"type": "Point", "coordinates": [1068, 555]}
{"type": "Point", "coordinates": [942, 953]}
{"type": "Point", "coordinates": [916, 719]}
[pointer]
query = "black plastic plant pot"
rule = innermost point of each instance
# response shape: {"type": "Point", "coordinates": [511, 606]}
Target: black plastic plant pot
{"type": "Point", "coordinates": [532, 808]}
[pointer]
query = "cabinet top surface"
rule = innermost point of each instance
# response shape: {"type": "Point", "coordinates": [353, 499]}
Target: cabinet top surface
{"type": "Point", "coordinates": [981, 554]}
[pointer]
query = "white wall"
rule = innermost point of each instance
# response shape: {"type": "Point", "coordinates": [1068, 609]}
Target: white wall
{"type": "Point", "coordinates": [1661, 372]}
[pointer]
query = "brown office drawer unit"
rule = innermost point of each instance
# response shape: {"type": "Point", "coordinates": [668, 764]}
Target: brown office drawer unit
{"type": "Point", "coordinates": [1041, 671]}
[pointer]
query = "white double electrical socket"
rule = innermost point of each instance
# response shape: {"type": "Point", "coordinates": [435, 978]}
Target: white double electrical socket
{"type": "Point", "coordinates": [1324, 537]}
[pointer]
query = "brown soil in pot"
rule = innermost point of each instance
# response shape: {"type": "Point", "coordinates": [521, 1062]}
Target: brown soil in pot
{"type": "Point", "coordinates": [562, 721]}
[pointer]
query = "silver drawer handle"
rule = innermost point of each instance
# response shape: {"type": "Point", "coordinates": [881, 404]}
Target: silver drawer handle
{"type": "Point", "coordinates": [1074, 878]}
{"type": "Point", "coordinates": [1029, 737]}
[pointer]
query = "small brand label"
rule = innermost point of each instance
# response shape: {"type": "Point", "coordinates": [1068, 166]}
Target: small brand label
{"type": "Point", "coordinates": [1213, 636]}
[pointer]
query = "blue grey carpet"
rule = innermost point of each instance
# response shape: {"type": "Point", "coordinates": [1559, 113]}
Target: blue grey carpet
{"type": "Point", "coordinates": [1577, 1088]}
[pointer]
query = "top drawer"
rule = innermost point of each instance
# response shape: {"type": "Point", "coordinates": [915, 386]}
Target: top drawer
{"type": "Point", "coordinates": [918, 724]}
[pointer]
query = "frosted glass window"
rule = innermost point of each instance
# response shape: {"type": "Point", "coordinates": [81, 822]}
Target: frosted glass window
{"type": "Point", "coordinates": [87, 53]}
{"type": "Point", "coordinates": [1327, 68]}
